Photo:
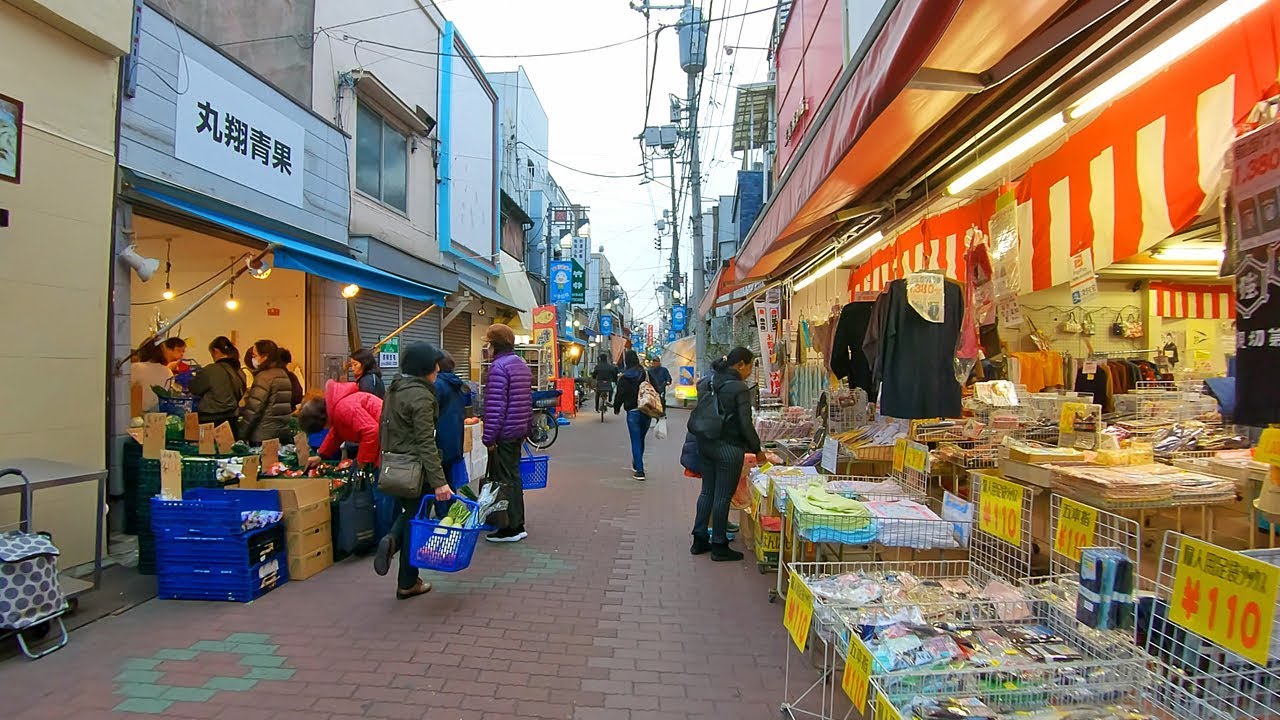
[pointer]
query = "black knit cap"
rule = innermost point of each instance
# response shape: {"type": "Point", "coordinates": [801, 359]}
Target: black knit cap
{"type": "Point", "coordinates": [419, 359]}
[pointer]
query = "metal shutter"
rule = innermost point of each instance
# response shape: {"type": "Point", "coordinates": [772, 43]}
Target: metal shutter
{"type": "Point", "coordinates": [457, 341]}
{"type": "Point", "coordinates": [378, 314]}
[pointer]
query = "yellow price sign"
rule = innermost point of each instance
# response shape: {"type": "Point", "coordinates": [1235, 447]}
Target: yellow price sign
{"type": "Point", "coordinates": [1225, 597]}
{"type": "Point", "coordinates": [856, 680]}
{"type": "Point", "coordinates": [885, 709]}
{"type": "Point", "coordinates": [1000, 509]}
{"type": "Point", "coordinates": [1268, 450]}
{"type": "Point", "coordinates": [798, 615]}
{"type": "Point", "coordinates": [899, 454]}
{"type": "Point", "coordinates": [1067, 419]}
{"type": "Point", "coordinates": [1076, 525]}
{"type": "Point", "coordinates": [917, 457]}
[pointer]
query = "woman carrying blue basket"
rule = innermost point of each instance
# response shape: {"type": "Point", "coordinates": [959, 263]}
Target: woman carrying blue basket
{"type": "Point", "coordinates": [410, 416]}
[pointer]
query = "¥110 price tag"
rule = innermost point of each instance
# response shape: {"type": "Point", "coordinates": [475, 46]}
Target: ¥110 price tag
{"type": "Point", "coordinates": [1225, 597]}
{"type": "Point", "coordinates": [899, 454]}
{"type": "Point", "coordinates": [1000, 509]}
{"type": "Point", "coordinates": [798, 614]}
{"type": "Point", "coordinates": [1076, 525]}
{"type": "Point", "coordinates": [856, 680]}
{"type": "Point", "coordinates": [1268, 450]}
{"type": "Point", "coordinates": [885, 709]}
{"type": "Point", "coordinates": [917, 458]}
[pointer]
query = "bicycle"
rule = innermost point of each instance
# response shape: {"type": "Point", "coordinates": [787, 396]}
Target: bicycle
{"type": "Point", "coordinates": [545, 429]}
{"type": "Point", "coordinates": [604, 396]}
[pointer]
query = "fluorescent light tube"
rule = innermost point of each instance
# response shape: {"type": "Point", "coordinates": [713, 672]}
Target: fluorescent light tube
{"type": "Point", "coordinates": [1004, 155]}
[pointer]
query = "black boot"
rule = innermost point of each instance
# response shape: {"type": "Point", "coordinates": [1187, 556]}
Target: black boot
{"type": "Point", "coordinates": [721, 552]}
{"type": "Point", "coordinates": [701, 545]}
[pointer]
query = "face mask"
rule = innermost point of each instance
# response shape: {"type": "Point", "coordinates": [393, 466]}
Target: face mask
{"type": "Point", "coordinates": [253, 362]}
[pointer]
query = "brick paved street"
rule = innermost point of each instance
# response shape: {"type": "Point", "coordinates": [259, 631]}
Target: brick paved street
{"type": "Point", "coordinates": [602, 614]}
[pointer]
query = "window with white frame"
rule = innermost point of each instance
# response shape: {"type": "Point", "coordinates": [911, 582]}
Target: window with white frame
{"type": "Point", "coordinates": [382, 159]}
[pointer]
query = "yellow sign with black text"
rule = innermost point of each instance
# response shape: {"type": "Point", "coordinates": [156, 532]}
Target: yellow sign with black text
{"type": "Point", "coordinates": [856, 680]}
{"type": "Point", "coordinates": [917, 458]}
{"type": "Point", "coordinates": [798, 615]}
{"type": "Point", "coordinates": [1076, 525]}
{"type": "Point", "coordinates": [899, 454]}
{"type": "Point", "coordinates": [885, 709]}
{"type": "Point", "coordinates": [1000, 508]}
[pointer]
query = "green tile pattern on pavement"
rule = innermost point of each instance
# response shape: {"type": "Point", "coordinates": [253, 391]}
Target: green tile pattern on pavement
{"type": "Point", "coordinates": [144, 691]}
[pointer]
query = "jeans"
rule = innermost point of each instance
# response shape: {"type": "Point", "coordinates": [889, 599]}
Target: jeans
{"type": "Point", "coordinates": [721, 470]}
{"type": "Point", "coordinates": [407, 575]}
{"type": "Point", "coordinates": [637, 428]}
{"type": "Point", "coordinates": [504, 470]}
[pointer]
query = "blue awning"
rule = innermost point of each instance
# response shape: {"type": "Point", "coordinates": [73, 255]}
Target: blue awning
{"type": "Point", "coordinates": [294, 254]}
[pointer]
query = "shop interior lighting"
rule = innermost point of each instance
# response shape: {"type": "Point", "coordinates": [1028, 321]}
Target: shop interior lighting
{"type": "Point", "coordinates": [232, 303]}
{"type": "Point", "coordinates": [350, 291]}
{"type": "Point", "coordinates": [1008, 153]}
{"type": "Point", "coordinates": [1194, 253]}
{"type": "Point", "coordinates": [839, 259]}
{"type": "Point", "coordinates": [1191, 37]}
{"type": "Point", "coordinates": [168, 270]}
{"type": "Point", "coordinates": [258, 268]}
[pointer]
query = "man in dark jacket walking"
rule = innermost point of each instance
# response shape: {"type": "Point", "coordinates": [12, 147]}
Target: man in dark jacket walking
{"type": "Point", "coordinates": [453, 397]}
{"type": "Point", "coordinates": [508, 412]}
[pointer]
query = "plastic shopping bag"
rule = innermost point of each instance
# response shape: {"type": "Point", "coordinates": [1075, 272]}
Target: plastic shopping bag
{"type": "Point", "coordinates": [660, 430]}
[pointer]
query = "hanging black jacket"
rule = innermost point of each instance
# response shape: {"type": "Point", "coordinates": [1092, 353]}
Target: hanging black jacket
{"type": "Point", "coordinates": [917, 357]}
{"type": "Point", "coordinates": [848, 361]}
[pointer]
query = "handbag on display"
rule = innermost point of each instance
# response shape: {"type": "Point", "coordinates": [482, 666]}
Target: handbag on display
{"type": "Point", "coordinates": [1070, 325]}
{"type": "Point", "coordinates": [400, 474]}
{"type": "Point", "coordinates": [353, 517]}
{"type": "Point", "coordinates": [1088, 327]}
{"type": "Point", "coordinates": [1117, 327]}
{"type": "Point", "coordinates": [1133, 327]}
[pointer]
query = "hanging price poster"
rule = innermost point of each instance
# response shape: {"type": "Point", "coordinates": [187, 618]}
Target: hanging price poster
{"type": "Point", "coordinates": [1225, 597]}
{"type": "Point", "coordinates": [798, 615]}
{"type": "Point", "coordinates": [1001, 509]}
{"type": "Point", "coordinates": [917, 458]}
{"type": "Point", "coordinates": [899, 454]}
{"type": "Point", "coordinates": [856, 680]}
{"type": "Point", "coordinates": [1076, 525]}
{"type": "Point", "coordinates": [885, 709]}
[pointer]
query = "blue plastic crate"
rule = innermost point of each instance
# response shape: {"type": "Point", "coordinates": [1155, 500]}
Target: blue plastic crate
{"type": "Point", "coordinates": [250, 548]}
{"type": "Point", "coordinates": [209, 511]}
{"type": "Point", "coordinates": [533, 471]}
{"type": "Point", "coordinates": [201, 582]}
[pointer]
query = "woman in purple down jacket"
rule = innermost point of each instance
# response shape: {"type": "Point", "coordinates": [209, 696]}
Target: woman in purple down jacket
{"type": "Point", "coordinates": [508, 412]}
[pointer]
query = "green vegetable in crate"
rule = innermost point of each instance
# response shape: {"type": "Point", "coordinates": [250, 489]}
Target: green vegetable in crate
{"type": "Point", "coordinates": [164, 392]}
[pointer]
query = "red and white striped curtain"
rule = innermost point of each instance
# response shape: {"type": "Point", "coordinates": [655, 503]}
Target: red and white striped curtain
{"type": "Point", "coordinates": [1205, 302]}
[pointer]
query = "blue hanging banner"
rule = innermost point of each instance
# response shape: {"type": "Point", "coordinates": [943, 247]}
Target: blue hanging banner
{"type": "Point", "coordinates": [561, 281]}
{"type": "Point", "coordinates": [678, 315]}
{"type": "Point", "coordinates": [606, 324]}
{"type": "Point", "coordinates": [671, 336]}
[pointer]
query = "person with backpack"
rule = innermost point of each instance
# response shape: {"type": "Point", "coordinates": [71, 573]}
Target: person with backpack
{"type": "Point", "coordinates": [632, 385]}
{"type": "Point", "coordinates": [725, 433]}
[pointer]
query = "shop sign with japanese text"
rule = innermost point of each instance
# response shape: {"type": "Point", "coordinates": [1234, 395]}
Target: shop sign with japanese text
{"type": "Point", "coordinates": [227, 131]}
{"type": "Point", "coordinates": [1225, 597]}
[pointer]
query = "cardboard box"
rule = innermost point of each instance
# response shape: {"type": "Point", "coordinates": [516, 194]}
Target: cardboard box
{"type": "Point", "coordinates": [309, 517]}
{"type": "Point", "coordinates": [311, 564]}
{"type": "Point", "coordinates": [297, 493]}
{"type": "Point", "coordinates": [308, 541]}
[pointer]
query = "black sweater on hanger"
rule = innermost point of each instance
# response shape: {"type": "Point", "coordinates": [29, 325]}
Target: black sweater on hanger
{"type": "Point", "coordinates": [848, 362]}
{"type": "Point", "coordinates": [917, 357]}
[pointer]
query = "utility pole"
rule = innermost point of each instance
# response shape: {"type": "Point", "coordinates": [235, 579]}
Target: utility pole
{"type": "Point", "coordinates": [693, 59]}
{"type": "Point", "coordinates": [675, 223]}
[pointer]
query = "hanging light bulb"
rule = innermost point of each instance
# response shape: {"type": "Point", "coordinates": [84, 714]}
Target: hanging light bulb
{"type": "Point", "coordinates": [350, 291]}
{"type": "Point", "coordinates": [168, 269]}
{"type": "Point", "coordinates": [232, 303]}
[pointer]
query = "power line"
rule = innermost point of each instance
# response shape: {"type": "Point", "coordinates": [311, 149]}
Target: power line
{"type": "Point", "coordinates": [607, 176]}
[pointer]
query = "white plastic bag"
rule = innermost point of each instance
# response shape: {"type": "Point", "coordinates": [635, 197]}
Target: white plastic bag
{"type": "Point", "coordinates": [660, 429]}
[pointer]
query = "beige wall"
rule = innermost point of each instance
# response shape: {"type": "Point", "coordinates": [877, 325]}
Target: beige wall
{"type": "Point", "coordinates": [195, 258]}
{"type": "Point", "coordinates": [56, 253]}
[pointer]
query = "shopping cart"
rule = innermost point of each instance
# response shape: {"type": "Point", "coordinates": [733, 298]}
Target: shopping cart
{"type": "Point", "coordinates": [31, 602]}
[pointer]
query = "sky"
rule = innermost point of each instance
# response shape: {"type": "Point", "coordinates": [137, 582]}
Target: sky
{"type": "Point", "coordinates": [595, 102]}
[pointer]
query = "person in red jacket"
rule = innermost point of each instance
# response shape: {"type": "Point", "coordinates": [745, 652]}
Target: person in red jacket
{"type": "Point", "coordinates": [350, 415]}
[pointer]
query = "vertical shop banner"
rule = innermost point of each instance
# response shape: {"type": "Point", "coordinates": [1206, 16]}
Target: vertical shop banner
{"type": "Point", "coordinates": [606, 325]}
{"type": "Point", "coordinates": [545, 328]}
{"type": "Point", "coordinates": [679, 316]}
{"type": "Point", "coordinates": [648, 337]}
{"type": "Point", "coordinates": [768, 310]}
{"type": "Point", "coordinates": [1255, 187]}
{"type": "Point", "coordinates": [561, 280]}
{"type": "Point", "coordinates": [671, 336]}
{"type": "Point", "coordinates": [1254, 179]}
{"type": "Point", "coordinates": [577, 283]}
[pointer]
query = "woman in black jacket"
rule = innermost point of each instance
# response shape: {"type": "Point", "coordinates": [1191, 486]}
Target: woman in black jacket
{"type": "Point", "coordinates": [627, 397]}
{"type": "Point", "coordinates": [368, 374]}
{"type": "Point", "coordinates": [220, 385]}
{"type": "Point", "coordinates": [722, 458]}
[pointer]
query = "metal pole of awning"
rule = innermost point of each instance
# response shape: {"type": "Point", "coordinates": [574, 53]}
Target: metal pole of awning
{"type": "Point", "coordinates": [397, 331]}
{"type": "Point", "coordinates": [196, 305]}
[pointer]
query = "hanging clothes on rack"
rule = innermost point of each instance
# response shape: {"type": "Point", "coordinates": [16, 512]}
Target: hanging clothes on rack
{"type": "Point", "coordinates": [914, 358]}
{"type": "Point", "coordinates": [848, 361]}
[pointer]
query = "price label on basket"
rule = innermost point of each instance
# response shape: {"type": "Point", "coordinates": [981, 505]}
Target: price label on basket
{"type": "Point", "coordinates": [856, 681]}
{"type": "Point", "coordinates": [917, 458]}
{"type": "Point", "coordinates": [1076, 525]}
{"type": "Point", "coordinates": [830, 453]}
{"type": "Point", "coordinates": [899, 454]}
{"type": "Point", "coordinates": [798, 615]}
{"type": "Point", "coordinates": [1070, 411]}
{"type": "Point", "coordinates": [1225, 597]}
{"type": "Point", "coordinates": [1000, 509]}
{"type": "Point", "coordinates": [885, 709]}
{"type": "Point", "coordinates": [1268, 450]}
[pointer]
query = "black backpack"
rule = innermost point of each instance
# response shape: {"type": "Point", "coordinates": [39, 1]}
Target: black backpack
{"type": "Point", "coordinates": [708, 419]}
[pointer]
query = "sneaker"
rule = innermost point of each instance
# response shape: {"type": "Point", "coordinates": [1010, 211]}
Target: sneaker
{"type": "Point", "coordinates": [507, 535]}
{"type": "Point", "coordinates": [701, 545]}
{"type": "Point", "coordinates": [721, 552]}
{"type": "Point", "coordinates": [638, 476]}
